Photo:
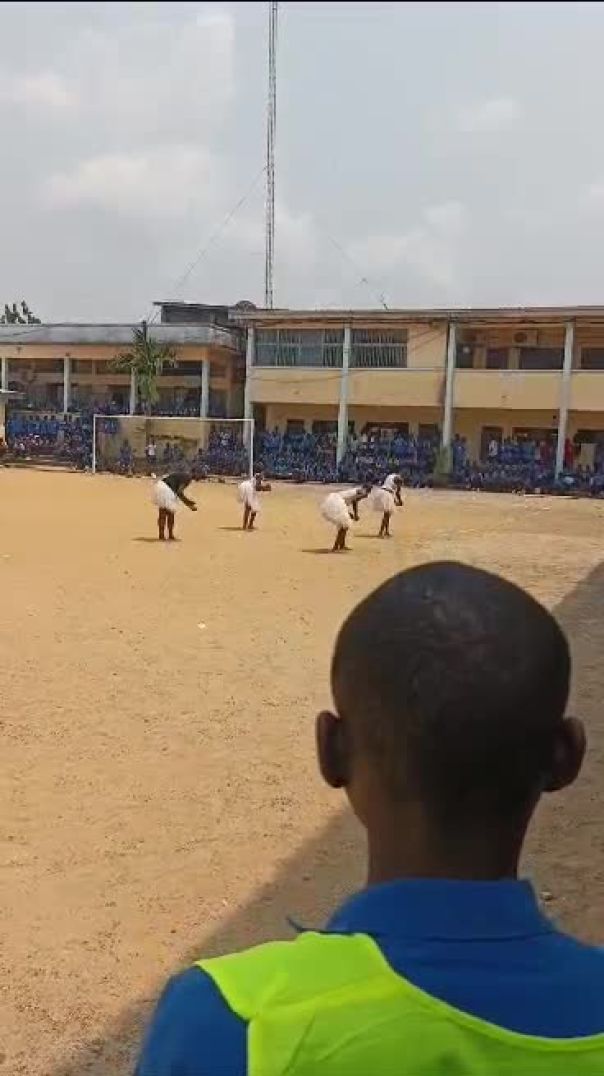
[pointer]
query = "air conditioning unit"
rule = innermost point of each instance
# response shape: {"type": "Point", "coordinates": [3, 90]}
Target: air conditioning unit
{"type": "Point", "coordinates": [527, 338]}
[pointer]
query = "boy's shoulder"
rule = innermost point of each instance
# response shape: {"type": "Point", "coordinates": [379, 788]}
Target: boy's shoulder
{"type": "Point", "coordinates": [194, 1031]}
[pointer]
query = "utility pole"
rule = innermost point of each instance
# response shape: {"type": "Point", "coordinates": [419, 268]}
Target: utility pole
{"type": "Point", "coordinates": [271, 117]}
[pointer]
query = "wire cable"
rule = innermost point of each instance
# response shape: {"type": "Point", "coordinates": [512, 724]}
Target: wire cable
{"type": "Point", "coordinates": [210, 241]}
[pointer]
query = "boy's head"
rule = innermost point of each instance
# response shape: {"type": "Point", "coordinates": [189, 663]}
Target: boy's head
{"type": "Point", "coordinates": [450, 688]}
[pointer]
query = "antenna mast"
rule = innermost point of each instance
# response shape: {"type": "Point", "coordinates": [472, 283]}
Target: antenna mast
{"type": "Point", "coordinates": [271, 117]}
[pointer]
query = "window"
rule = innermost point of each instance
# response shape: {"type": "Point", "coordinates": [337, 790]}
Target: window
{"type": "Point", "coordinates": [217, 403]}
{"type": "Point", "coordinates": [385, 431]}
{"type": "Point", "coordinates": [537, 434]}
{"type": "Point", "coordinates": [465, 357]}
{"type": "Point", "coordinates": [295, 425]}
{"type": "Point", "coordinates": [299, 347]}
{"type": "Point", "coordinates": [428, 431]}
{"type": "Point", "coordinates": [380, 349]}
{"type": "Point", "coordinates": [182, 369]}
{"type": "Point", "coordinates": [497, 358]}
{"type": "Point", "coordinates": [589, 437]}
{"type": "Point", "coordinates": [39, 366]}
{"type": "Point", "coordinates": [324, 426]}
{"type": "Point", "coordinates": [592, 358]}
{"type": "Point", "coordinates": [540, 358]}
{"type": "Point", "coordinates": [81, 366]}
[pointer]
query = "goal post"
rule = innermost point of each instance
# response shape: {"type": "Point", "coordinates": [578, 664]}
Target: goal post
{"type": "Point", "coordinates": [154, 444]}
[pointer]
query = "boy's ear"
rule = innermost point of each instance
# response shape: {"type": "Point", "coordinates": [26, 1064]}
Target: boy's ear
{"type": "Point", "coordinates": [332, 749]}
{"type": "Point", "coordinates": [567, 755]}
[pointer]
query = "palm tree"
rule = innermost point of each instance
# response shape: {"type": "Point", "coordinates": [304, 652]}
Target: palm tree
{"type": "Point", "coordinates": [146, 360]}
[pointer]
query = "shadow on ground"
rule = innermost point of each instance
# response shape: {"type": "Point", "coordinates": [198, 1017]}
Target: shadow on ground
{"type": "Point", "coordinates": [565, 852]}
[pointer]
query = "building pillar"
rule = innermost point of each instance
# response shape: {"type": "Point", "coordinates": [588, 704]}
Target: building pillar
{"type": "Point", "coordinates": [204, 399]}
{"type": "Point", "coordinates": [66, 383]}
{"type": "Point", "coordinates": [132, 405]}
{"type": "Point", "coordinates": [250, 355]}
{"type": "Point", "coordinates": [343, 406]}
{"type": "Point", "coordinates": [569, 342]}
{"type": "Point", "coordinates": [4, 375]}
{"type": "Point", "coordinates": [449, 386]}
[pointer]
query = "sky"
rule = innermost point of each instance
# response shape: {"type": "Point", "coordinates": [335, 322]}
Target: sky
{"type": "Point", "coordinates": [427, 155]}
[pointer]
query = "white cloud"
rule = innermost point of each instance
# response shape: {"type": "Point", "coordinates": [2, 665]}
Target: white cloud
{"type": "Point", "coordinates": [158, 79]}
{"type": "Point", "coordinates": [593, 196]}
{"type": "Point", "coordinates": [167, 181]}
{"type": "Point", "coordinates": [46, 89]}
{"type": "Point", "coordinates": [298, 242]}
{"type": "Point", "coordinates": [430, 249]}
{"type": "Point", "coordinates": [489, 117]}
{"type": "Point", "coordinates": [447, 217]}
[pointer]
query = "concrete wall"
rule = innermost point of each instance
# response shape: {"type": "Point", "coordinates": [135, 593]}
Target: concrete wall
{"type": "Point", "coordinates": [295, 385]}
{"type": "Point", "coordinates": [427, 346]}
{"type": "Point", "coordinates": [525, 390]}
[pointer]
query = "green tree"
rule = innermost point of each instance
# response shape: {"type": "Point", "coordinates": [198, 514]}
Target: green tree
{"type": "Point", "coordinates": [147, 359]}
{"type": "Point", "coordinates": [18, 315]}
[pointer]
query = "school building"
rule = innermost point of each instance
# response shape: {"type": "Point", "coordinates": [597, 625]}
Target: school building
{"type": "Point", "coordinates": [71, 367]}
{"type": "Point", "coordinates": [536, 372]}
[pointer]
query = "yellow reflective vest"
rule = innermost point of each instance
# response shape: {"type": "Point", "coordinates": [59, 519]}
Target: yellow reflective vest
{"type": "Point", "coordinates": [331, 1005]}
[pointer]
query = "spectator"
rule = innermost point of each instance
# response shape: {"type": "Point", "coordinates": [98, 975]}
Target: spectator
{"type": "Point", "coordinates": [151, 456]}
{"type": "Point", "coordinates": [444, 962]}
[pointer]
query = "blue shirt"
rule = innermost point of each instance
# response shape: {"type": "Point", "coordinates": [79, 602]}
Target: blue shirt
{"type": "Point", "coordinates": [483, 947]}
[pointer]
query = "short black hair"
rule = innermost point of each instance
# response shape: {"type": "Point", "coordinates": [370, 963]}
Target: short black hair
{"type": "Point", "coordinates": [454, 681]}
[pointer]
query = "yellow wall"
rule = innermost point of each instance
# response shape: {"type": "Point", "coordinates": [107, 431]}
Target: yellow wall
{"type": "Point", "coordinates": [427, 346]}
{"type": "Point", "coordinates": [278, 385]}
{"type": "Point", "coordinates": [493, 389]}
{"type": "Point", "coordinates": [585, 420]}
{"type": "Point", "coordinates": [395, 388]}
{"type": "Point", "coordinates": [587, 390]}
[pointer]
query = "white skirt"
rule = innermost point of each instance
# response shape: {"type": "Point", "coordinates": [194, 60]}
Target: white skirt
{"type": "Point", "coordinates": [335, 510]}
{"type": "Point", "coordinates": [164, 497]}
{"type": "Point", "coordinates": [248, 495]}
{"type": "Point", "coordinates": [382, 501]}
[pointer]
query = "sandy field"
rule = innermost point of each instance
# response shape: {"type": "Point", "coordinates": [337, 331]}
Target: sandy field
{"type": "Point", "coordinates": [159, 799]}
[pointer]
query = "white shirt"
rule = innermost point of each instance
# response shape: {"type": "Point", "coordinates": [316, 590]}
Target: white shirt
{"type": "Point", "coordinates": [391, 483]}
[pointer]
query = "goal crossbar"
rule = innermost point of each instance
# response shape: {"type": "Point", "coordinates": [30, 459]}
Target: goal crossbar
{"type": "Point", "coordinates": [122, 441]}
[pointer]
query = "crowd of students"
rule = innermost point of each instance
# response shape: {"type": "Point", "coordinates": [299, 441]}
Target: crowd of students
{"type": "Point", "coordinates": [65, 437]}
{"type": "Point", "coordinates": [513, 465]}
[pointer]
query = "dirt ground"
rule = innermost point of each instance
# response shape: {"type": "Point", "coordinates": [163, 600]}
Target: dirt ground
{"type": "Point", "coordinates": [159, 799]}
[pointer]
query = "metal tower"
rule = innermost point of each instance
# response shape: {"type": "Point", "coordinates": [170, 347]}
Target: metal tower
{"type": "Point", "coordinates": [271, 117]}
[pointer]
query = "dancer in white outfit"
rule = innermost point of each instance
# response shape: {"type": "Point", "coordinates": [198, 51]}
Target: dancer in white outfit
{"type": "Point", "coordinates": [385, 499]}
{"type": "Point", "coordinates": [247, 493]}
{"type": "Point", "coordinates": [340, 509]}
{"type": "Point", "coordinates": [167, 492]}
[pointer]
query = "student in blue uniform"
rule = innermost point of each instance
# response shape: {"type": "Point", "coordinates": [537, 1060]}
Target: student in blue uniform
{"type": "Point", "coordinates": [450, 688]}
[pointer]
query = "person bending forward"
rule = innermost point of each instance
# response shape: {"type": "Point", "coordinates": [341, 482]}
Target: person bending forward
{"type": "Point", "coordinates": [167, 492]}
{"type": "Point", "coordinates": [340, 509]}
